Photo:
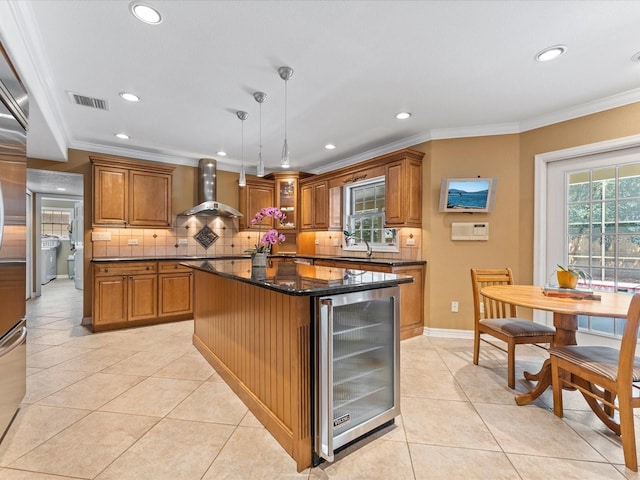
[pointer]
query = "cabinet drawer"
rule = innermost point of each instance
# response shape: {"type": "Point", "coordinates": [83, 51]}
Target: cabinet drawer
{"type": "Point", "coordinates": [124, 268]}
{"type": "Point", "coordinates": [172, 267]}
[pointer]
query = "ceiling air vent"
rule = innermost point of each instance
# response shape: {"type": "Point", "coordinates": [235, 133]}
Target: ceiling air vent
{"type": "Point", "coordinates": [88, 101]}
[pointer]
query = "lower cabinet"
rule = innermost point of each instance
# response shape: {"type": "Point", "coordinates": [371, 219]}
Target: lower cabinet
{"type": "Point", "coordinates": [140, 293]}
{"type": "Point", "coordinates": [411, 294]}
{"type": "Point", "coordinates": [175, 287]}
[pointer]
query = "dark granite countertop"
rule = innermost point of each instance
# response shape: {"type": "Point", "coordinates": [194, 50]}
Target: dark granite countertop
{"type": "Point", "coordinates": [299, 279]}
{"type": "Point", "coordinates": [373, 261]}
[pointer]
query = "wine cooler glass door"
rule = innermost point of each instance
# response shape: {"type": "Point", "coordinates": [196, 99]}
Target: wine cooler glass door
{"type": "Point", "coordinates": [360, 358]}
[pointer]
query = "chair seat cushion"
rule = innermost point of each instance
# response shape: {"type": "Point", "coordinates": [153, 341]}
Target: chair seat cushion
{"type": "Point", "coordinates": [516, 327]}
{"type": "Point", "coordinates": [598, 359]}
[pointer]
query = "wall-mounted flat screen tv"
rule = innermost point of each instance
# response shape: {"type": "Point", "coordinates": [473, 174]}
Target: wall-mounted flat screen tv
{"type": "Point", "coordinates": [467, 195]}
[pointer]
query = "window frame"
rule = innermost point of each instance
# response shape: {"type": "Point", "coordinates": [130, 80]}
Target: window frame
{"type": "Point", "coordinates": [349, 217]}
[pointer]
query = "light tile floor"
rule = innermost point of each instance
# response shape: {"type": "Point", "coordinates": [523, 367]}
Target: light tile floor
{"type": "Point", "coordinates": [143, 404]}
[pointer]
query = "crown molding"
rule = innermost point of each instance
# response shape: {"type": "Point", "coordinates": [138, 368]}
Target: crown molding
{"type": "Point", "coordinates": [475, 131]}
{"type": "Point", "coordinates": [24, 43]}
{"type": "Point", "coordinates": [589, 108]}
{"type": "Point", "coordinates": [134, 153]}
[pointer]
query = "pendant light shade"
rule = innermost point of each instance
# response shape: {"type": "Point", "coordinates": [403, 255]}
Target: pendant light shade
{"type": "Point", "coordinates": [260, 97]}
{"type": "Point", "coordinates": [242, 181]}
{"type": "Point", "coordinates": [285, 73]}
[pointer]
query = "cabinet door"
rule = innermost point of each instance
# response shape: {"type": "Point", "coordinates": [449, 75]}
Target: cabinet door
{"type": "Point", "coordinates": [394, 205]}
{"type": "Point", "coordinates": [335, 208]}
{"type": "Point", "coordinates": [253, 197]}
{"type": "Point", "coordinates": [411, 302]}
{"type": "Point", "coordinates": [110, 195]}
{"type": "Point", "coordinates": [306, 203]}
{"type": "Point", "coordinates": [110, 300]}
{"type": "Point", "coordinates": [320, 205]}
{"type": "Point", "coordinates": [175, 294]}
{"type": "Point", "coordinates": [149, 199]}
{"type": "Point", "coordinates": [403, 193]}
{"type": "Point", "coordinates": [142, 293]}
{"type": "Point", "coordinates": [286, 190]}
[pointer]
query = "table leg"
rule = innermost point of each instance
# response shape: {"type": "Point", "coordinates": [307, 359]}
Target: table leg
{"type": "Point", "coordinates": [566, 327]}
{"type": "Point", "coordinates": [544, 381]}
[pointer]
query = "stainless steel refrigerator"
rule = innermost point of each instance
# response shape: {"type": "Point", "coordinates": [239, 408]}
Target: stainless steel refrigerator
{"type": "Point", "coordinates": [357, 365]}
{"type": "Point", "coordinates": [13, 236]}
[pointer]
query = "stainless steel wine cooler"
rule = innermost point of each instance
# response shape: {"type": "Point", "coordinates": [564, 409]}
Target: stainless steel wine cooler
{"type": "Point", "coordinates": [357, 360]}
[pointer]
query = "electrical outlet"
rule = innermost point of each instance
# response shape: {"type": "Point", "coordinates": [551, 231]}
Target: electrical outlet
{"type": "Point", "coordinates": [133, 241]}
{"type": "Point", "coordinates": [411, 242]}
{"type": "Point", "coordinates": [317, 242]}
{"type": "Point", "coordinates": [336, 242]}
{"type": "Point", "coordinates": [454, 307]}
{"type": "Point", "coordinates": [183, 241]}
{"type": "Point", "coordinates": [97, 236]}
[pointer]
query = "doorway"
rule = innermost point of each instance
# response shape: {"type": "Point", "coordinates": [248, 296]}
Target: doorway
{"type": "Point", "coordinates": [54, 240]}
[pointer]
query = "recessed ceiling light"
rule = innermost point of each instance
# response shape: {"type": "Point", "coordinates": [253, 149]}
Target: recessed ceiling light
{"type": "Point", "coordinates": [330, 146]}
{"type": "Point", "coordinates": [636, 57]}
{"type": "Point", "coordinates": [129, 97]}
{"type": "Point", "coordinates": [403, 115]}
{"type": "Point", "coordinates": [61, 189]}
{"type": "Point", "coordinates": [550, 53]}
{"type": "Point", "coordinates": [122, 136]}
{"type": "Point", "coordinates": [145, 13]}
{"type": "Point", "coordinates": [222, 154]}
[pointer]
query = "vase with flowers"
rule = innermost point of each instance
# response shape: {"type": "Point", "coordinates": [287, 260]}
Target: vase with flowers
{"type": "Point", "coordinates": [270, 238]}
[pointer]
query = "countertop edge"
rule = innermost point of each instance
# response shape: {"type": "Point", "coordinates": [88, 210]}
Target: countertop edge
{"type": "Point", "coordinates": [333, 290]}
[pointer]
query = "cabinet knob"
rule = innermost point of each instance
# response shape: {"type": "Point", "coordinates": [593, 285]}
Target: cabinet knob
{"type": "Point", "coordinates": [147, 267]}
{"type": "Point", "coordinates": [124, 276]}
{"type": "Point", "coordinates": [106, 270]}
{"type": "Point", "coordinates": [176, 266]}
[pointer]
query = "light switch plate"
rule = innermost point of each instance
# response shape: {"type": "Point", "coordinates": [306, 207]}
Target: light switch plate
{"type": "Point", "coordinates": [97, 236]}
{"type": "Point", "coordinates": [183, 241]}
{"type": "Point", "coordinates": [133, 241]}
{"type": "Point", "coordinates": [411, 242]}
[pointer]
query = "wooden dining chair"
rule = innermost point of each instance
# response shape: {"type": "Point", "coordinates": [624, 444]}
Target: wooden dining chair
{"type": "Point", "coordinates": [603, 374]}
{"type": "Point", "coordinates": [499, 320]}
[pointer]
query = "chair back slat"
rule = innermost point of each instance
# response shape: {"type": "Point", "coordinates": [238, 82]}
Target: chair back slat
{"type": "Point", "coordinates": [629, 341]}
{"type": "Point", "coordinates": [481, 278]}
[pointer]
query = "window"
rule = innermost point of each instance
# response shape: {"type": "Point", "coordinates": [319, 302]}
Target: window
{"type": "Point", "coordinates": [56, 221]}
{"type": "Point", "coordinates": [603, 232]}
{"type": "Point", "coordinates": [364, 216]}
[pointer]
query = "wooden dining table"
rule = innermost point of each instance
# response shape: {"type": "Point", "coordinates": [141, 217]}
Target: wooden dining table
{"type": "Point", "coordinates": [565, 320]}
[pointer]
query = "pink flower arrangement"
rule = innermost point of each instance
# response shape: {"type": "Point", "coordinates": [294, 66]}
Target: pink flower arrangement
{"type": "Point", "coordinates": [271, 236]}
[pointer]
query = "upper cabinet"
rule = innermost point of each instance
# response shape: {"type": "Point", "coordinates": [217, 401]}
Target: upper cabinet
{"type": "Point", "coordinates": [131, 193]}
{"type": "Point", "coordinates": [257, 194]}
{"type": "Point", "coordinates": [314, 206]}
{"type": "Point", "coordinates": [403, 192]}
{"type": "Point", "coordinates": [286, 190]}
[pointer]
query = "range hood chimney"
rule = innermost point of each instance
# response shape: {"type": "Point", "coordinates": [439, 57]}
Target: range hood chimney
{"type": "Point", "coordinates": [207, 193]}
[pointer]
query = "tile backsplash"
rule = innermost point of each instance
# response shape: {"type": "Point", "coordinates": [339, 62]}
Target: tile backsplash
{"type": "Point", "coordinates": [179, 241]}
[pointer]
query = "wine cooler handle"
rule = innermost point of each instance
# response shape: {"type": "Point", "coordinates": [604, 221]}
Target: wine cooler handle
{"type": "Point", "coordinates": [326, 379]}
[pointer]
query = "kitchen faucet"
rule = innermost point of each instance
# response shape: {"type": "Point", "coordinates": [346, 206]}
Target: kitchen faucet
{"type": "Point", "coordinates": [369, 249]}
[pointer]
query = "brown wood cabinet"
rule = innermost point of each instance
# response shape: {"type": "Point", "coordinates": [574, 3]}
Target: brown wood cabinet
{"type": "Point", "coordinates": [403, 193]}
{"type": "Point", "coordinates": [411, 296]}
{"type": "Point", "coordinates": [286, 199]}
{"type": "Point", "coordinates": [175, 287]}
{"type": "Point", "coordinates": [124, 292]}
{"type": "Point", "coordinates": [314, 202]}
{"type": "Point", "coordinates": [131, 193]}
{"type": "Point", "coordinates": [140, 293]}
{"type": "Point", "coordinates": [257, 194]}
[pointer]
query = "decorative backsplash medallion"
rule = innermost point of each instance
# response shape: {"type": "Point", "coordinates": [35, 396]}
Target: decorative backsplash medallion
{"type": "Point", "coordinates": [206, 237]}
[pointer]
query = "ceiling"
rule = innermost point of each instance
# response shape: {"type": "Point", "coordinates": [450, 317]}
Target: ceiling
{"type": "Point", "coordinates": [462, 68]}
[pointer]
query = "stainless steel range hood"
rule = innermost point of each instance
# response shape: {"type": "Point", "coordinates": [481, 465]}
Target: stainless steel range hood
{"type": "Point", "coordinates": [207, 193]}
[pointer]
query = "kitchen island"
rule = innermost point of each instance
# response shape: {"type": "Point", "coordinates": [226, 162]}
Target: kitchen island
{"type": "Point", "coordinates": [256, 328]}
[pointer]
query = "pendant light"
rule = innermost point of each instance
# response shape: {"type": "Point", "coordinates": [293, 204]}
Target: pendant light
{"type": "Point", "coordinates": [242, 181]}
{"type": "Point", "coordinates": [285, 73]}
{"type": "Point", "coordinates": [260, 97]}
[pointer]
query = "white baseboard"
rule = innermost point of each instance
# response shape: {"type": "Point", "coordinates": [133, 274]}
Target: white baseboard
{"type": "Point", "coordinates": [448, 333]}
